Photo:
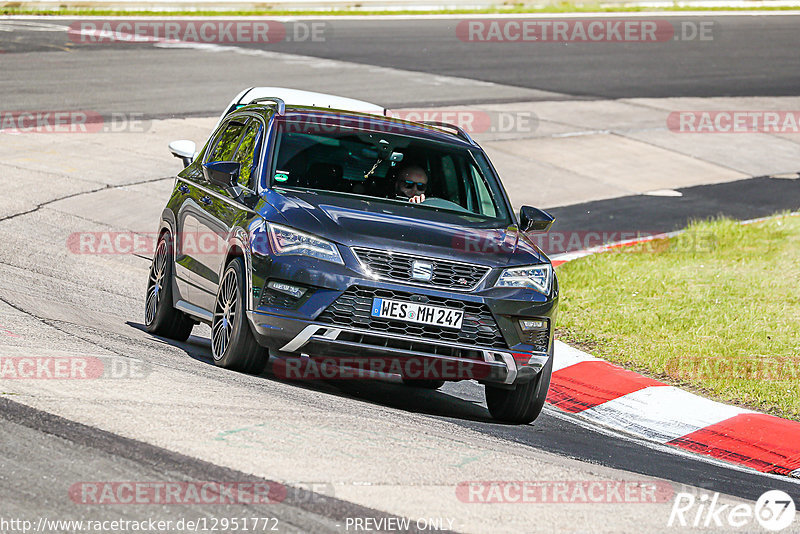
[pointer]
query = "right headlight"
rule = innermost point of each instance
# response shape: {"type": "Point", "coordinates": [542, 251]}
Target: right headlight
{"type": "Point", "coordinates": [287, 241]}
{"type": "Point", "coordinates": [538, 277]}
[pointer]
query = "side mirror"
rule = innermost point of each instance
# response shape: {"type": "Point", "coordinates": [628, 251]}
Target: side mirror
{"type": "Point", "coordinates": [222, 173]}
{"type": "Point", "coordinates": [534, 220]}
{"type": "Point", "coordinates": [184, 150]}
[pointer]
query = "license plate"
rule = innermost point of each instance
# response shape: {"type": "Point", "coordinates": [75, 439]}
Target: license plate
{"type": "Point", "coordinates": [413, 312]}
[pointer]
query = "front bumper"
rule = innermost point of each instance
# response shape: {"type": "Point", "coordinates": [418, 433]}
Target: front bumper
{"type": "Point", "coordinates": [372, 351]}
{"type": "Point", "coordinates": [332, 321]}
{"type": "Point", "coordinates": [299, 331]}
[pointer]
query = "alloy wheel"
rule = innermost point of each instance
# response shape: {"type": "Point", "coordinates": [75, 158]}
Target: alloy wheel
{"type": "Point", "coordinates": [224, 314]}
{"type": "Point", "coordinates": [155, 283]}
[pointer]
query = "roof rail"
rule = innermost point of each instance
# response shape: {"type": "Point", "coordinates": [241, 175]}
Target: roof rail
{"type": "Point", "coordinates": [277, 101]}
{"type": "Point", "coordinates": [458, 131]}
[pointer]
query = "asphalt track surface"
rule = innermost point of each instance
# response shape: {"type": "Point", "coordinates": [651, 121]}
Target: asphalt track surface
{"type": "Point", "coordinates": [743, 53]}
{"type": "Point", "coordinates": [742, 200]}
{"type": "Point", "coordinates": [72, 447]}
{"type": "Point", "coordinates": [746, 56]}
{"type": "Point", "coordinates": [749, 56]}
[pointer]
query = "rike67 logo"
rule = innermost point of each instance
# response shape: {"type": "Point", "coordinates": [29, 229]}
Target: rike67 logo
{"type": "Point", "coordinates": [774, 511]}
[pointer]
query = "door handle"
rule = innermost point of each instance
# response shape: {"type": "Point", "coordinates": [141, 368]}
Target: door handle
{"type": "Point", "coordinates": [183, 188]}
{"type": "Point", "coordinates": [206, 200]}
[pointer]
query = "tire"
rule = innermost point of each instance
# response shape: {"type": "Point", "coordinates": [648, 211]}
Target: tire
{"type": "Point", "coordinates": [423, 383]}
{"type": "Point", "coordinates": [160, 317]}
{"type": "Point", "coordinates": [233, 344]}
{"type": "Point", "coordinates": [524, 404]}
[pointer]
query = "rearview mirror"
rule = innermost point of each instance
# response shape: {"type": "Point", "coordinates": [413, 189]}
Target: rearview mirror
{"type": "Point", "coordinates": [534, 220]}
{"type": "Point", "coordinates": [184, 150]}
{"type": "Point", "coordinates": [222, 173]}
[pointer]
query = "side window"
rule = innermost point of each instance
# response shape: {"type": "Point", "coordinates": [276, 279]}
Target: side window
{"type": "Point", "coordinates": [451, 189]}
{"type": "Point", "coordinates": [247, 152]}
{"type": "Point", "coordinates": [485, 203]}
{"type": "Point", "coordinates": [227, 142]}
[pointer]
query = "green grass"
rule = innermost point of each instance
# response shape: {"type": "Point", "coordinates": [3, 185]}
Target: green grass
{"type": "Point", "coordinates": [715, 309]}
{"type": "Point", "coordinates": [557, 7]}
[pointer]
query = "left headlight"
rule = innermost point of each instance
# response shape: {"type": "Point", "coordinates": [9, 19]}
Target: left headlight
{"type": "Point", "coordinates": [287, 241]}
{"type": "Point", "coordinates": [538, 277]}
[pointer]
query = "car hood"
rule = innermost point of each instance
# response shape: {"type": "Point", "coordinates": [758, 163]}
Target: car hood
{"type": "Point", "coordinates": [358, 221]}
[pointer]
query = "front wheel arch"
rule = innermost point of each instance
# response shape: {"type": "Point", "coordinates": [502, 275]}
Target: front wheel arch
{"type": "Point", "coordinates": [238, 248]}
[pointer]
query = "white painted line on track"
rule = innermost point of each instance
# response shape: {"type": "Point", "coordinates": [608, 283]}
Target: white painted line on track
{"type": "Point", "coordinates": [289, 18]}
{"type": "Point", "coordinates": [10, 25]}
{"type": "Point", "coordinates": [314, 62]}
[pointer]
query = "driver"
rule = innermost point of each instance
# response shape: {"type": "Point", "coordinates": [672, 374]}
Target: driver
{"type": "Point", "coordinates": [411, 183]}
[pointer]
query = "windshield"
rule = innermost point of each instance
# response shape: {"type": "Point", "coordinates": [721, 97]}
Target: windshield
{"type": "Point", "coordinates": [428, 175]}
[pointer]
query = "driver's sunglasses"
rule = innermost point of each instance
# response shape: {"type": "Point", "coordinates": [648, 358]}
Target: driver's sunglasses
{"type": "Point", "coordinates": [419, 185]}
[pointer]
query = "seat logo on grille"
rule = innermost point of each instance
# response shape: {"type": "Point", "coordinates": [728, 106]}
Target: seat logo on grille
{"type": "Point", "coordinates": [421, 271]}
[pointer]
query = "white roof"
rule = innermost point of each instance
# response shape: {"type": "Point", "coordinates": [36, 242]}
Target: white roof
{"type": "Point", "coordinates": [296, 97]}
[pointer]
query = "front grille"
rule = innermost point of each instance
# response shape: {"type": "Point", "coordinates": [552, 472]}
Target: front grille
{"type": "Point", "coordinates": [353, 309]}
{"type": "Point", "coordinates": [540, 339]}
{"type": "Point", "coordinates": [397, 267]}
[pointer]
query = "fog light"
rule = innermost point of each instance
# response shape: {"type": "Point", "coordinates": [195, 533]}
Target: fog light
{"type": "Point", "coordinates": [287, 289]}
{"type": "Point", "coordinates": [528, 325]}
